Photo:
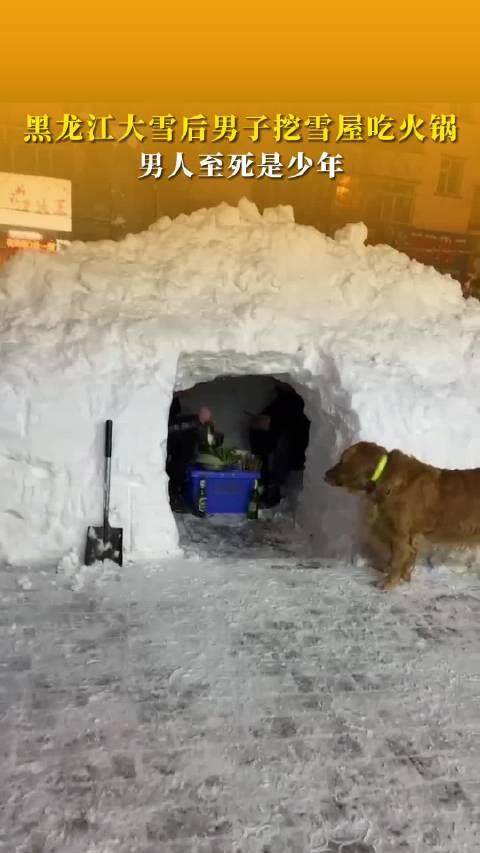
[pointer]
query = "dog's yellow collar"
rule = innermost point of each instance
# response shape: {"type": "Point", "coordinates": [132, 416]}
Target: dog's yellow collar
{"type": "Point", "coordinates": [380, 468]}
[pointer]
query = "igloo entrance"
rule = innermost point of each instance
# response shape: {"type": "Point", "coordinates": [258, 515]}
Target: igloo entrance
{"type": "Point", "coordinates": [239, 406]}
{"type": "Point", "coordinates": [234, 386]}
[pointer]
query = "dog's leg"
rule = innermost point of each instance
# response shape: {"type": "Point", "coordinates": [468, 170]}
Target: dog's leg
{"type": "Point", "coordinates": [379, 545]}
{"type": "Point", "coordinates": [407, 574]}
{"type": "Point", "coordinates": [376, 539]}
{"type": "Point", "coordinates": [403, 562]}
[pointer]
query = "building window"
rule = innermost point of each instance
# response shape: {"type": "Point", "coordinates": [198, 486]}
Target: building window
{"type": "Point", "coordinates": [392, 202]}
{"type": "Point", "coordinates": [474, 222]}
{"type": "Point", "coordinates": [346, 192]}
{"type": "Point", "coordinates": [451, 176]}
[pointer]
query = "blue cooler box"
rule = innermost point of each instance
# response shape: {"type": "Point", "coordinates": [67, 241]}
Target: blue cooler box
{"type": "Point", "coordinates": [228, 492]}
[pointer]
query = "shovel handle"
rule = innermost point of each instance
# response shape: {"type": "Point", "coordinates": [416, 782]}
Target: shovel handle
{"type": "Point", "coordinates": [106, 484]}
{"type": "Point", "coordinates": [108, 439]}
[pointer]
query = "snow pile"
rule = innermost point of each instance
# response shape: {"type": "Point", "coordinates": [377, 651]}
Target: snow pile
{"type": "Point", "coordinates": [380, 347]}
{"type": "Point", "coordinates": [77, 576]}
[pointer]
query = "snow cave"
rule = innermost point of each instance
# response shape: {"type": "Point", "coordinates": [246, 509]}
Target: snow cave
{"type": "Point", "coordinates": [379, 347]}
{"type": "Point", "coordinates": [235, 402]}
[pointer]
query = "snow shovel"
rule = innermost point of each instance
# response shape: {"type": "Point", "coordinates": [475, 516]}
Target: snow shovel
{"type": "Point", "coordinates": [105, 543]}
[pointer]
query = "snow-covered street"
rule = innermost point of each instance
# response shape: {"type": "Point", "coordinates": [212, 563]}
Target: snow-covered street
{"type": "Point", "coordinates": [258, 701]}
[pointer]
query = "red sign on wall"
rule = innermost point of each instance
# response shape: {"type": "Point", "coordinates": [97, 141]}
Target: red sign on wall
{"type": "Point", "coordinates": [447, 252]}
{"type": "Point", "coordinates": [10, 246]}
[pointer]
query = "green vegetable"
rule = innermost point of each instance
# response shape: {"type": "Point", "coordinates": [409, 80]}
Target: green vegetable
{"type": "Point", "coordinates": [226, 455]}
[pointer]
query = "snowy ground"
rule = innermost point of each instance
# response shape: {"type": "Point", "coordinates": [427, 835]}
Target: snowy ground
{"type": "Point", "coordinates": [243, 698]}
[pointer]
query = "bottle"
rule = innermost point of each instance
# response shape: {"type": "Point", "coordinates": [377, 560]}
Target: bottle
{"type": "Point", "coordinates": [202, 499]}
{"type": "Point", "coordinates": [210, 436]}
{"type": "Point", "coordinates": [252, 511]}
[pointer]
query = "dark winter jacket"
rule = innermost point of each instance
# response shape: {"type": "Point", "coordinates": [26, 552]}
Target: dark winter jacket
{"type": "Point", "coordinates": [288, 418]}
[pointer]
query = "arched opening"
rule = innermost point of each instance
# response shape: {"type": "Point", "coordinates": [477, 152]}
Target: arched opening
{"type": "Point", "coordinates": [235, 386]}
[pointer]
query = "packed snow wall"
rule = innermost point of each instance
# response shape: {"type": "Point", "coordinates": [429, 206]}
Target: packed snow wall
{"type": "Point", "coordinates": [379, 346]}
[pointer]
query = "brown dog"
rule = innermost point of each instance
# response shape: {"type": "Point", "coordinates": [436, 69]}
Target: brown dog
{"type": "Point", "coordinates": [409, 501]}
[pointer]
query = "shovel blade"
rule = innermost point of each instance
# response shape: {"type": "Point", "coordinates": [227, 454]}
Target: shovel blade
{"type": "Point", "coordinates": [97, 549]}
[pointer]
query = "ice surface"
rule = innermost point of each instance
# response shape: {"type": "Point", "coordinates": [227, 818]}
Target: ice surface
{"type": "Point", "coordinates": [255, 701]}
{"type": "Point", "coordinates": [380, 347]}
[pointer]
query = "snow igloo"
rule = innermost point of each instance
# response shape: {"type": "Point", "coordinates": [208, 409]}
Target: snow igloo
{"type": "Point", "coordinates": [379, 346]}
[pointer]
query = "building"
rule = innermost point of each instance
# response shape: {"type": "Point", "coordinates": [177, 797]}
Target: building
{"type": "Point", "coordinates": [423, 198]}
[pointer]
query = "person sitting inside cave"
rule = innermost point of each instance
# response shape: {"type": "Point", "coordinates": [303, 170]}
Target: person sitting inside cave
{"type": "Point", "coordinates": [187, 435]}
{"type": "Point", "coordinates": [279, 437]}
